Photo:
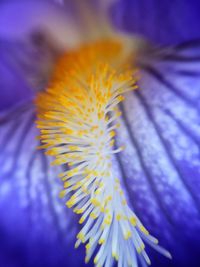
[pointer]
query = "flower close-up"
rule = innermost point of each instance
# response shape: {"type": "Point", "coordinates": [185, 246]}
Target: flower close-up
{"type": "Point", "coordinates": [99, 133]}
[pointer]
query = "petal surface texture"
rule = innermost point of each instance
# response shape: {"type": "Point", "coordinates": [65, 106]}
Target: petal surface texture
{"type": "Point", "coordinates": [161, 165]}
{"type": "Point", "coordinates": [36, 229]}
{"type": "Point", "coordinates": [162, 22]}
{"type": "Point", "coordinates": [14, 86]}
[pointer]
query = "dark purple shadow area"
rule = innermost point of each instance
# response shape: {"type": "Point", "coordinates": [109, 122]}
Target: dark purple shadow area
{"type": "Point", "coordinates": [162, 22]}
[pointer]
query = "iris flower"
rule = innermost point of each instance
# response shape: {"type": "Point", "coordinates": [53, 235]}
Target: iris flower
{"type": "Point", "coordinates": [99, 113]}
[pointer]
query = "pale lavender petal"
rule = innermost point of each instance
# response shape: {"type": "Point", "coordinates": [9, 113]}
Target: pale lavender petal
{"type": "Point", "coordinates": [161, 162]}
{"type": "Point", "coordinates": [36, 227]}
{"type": "Point", "coordinates": [32, 36]}
{"type": "Point", "coordinates": [14, 88]}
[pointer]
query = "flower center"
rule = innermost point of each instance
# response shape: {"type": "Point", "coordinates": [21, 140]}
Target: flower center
{"type": "Point", "coordinates": [77, 117]}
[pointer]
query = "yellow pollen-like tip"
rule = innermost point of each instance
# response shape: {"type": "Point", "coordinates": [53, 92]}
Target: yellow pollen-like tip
{"type": "Point", "coordinates": [140, 249]}
{"type": "Point", "coordinates": [115, 256]}
{"type": "Point", "coordinates": [112, 134]}
{"type": "Point", "coordinates": [95, 202]}
{"type": "Point", "coordinates": [79, 211]}
{"type": "Point", "coordinates": [144, 230]}
{"type": "Point", "coordinates": [70, 203]}
{"type": "Point", "coordinates": [67, 184]}
{"type": "Point", "coordinates": [118, 217]}
{"type": "Point", "coordinates": [102, 209]}
{"type": "Point", "coordinates": [93, 215]}
{"type": "Point", "coordinates": [81, 237]}
{"type": "Point", "coordinates": [133, 221]}
{"type": "Point", "coordinates": [120, 98]}
{"type": "Point", "coordinates": [124, 202]}
{"type": "Point", "coordinates": [108, 220]}
{"type": "Point", "coordinates": [88, 246]}
{"type": "Point", "coordinates": [95, 260]}
{"type": "Point", "coordinates": [81, 220]}
{"type": "Point", "coordinates": [101, 241]}
{"type": "Point", "coordinates": [62, 193]}
{"type": "Point", "coordinates": [128, 235]}
{"type": "Point", "coordinates": [86, 260]}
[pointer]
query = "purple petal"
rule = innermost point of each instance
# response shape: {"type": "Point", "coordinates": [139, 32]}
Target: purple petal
{"type": "Point", "coordinates": [161, 162]}
{"type": "Point", "coordinates": [14, 88]}
{"type": "Point", "coordinates": [164, 22]}
{"type": "Point", "coordinates": [20, 19]}
{"type": "Point", "coordinates": [32, 35]}
{"type": "Point", "coordinates": [36, 227]}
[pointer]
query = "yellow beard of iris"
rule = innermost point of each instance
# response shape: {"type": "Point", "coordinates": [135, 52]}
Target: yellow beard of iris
{"type": "Point", "coordinates": [77, 119]}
